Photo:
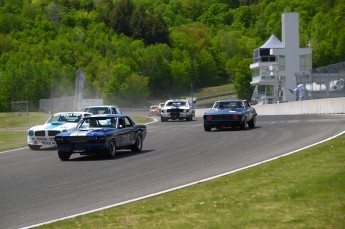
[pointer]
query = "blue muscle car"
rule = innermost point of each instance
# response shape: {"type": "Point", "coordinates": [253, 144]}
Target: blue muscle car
{"type": "Point", "coordinates": [101, 134]}
{"type": "Point", "coordinates": [232, 113]}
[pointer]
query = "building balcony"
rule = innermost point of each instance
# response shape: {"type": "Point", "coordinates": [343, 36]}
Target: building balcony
{"type": "Point", "coordinates": [264, 59]}
{"type": "Point", "coordinates": [265, 98]}
{"type": "Point", "coordinates": [265, 79]}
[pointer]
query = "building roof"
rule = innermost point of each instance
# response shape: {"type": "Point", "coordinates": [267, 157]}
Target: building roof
{"type": "Point", "coordinates": [272, 42]}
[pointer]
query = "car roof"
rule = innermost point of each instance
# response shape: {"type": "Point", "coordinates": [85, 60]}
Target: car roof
{"type": "Point", "coordinates": [71, 112]}
{"type": "Point", "coordinates": [101, 106]}
{"type": "Point", "coordinates": [231, 100]}
{"type": "Point", "coordinates": [176, 100]}
{"type": "Point", "coordinates": [107, 116]}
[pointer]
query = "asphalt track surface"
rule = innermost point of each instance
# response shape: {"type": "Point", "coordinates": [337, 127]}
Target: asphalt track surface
{"type": "Point", "coordinates": [36, 187]}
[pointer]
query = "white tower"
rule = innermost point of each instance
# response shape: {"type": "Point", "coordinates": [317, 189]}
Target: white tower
{"type": "Point", "coordinates": [283, 63]}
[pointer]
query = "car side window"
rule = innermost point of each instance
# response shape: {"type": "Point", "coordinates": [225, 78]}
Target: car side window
{"type": "Point", "coordinates": [127, 122]}
{"type": "Point", "coordinates": [121, 123]}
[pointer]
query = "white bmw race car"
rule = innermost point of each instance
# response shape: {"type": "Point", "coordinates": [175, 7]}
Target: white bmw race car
{"type": "Point", "coordinates": [43, 135]}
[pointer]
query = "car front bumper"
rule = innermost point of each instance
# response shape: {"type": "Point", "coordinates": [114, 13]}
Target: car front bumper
{"type": "Point", "coordinates": [41, 141]}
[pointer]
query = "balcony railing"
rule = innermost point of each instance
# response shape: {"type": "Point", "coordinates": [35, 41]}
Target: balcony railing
{"type": "Point", "coordinates": [265, 59]}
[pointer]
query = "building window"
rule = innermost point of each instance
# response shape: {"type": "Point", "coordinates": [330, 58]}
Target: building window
{"type": "Point", "coordinates": [256, 72]}
{"type": "Point", "coordinates": [265, 72]}
{"type": "Point", "coordinates": [265, 90]}
{"type": "Point", "coordinates": [305, 62]}
{"type": "Point", "coordinates": [281, 63]}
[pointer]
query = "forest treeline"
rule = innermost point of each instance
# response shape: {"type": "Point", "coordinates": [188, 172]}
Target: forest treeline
{"type": "Point", "coordinates": [135, 50]}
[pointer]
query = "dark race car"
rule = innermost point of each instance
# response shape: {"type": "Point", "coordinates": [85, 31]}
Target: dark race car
{"type": "Point", "coordinates": [101, 134]}
{"type": "Point", "coordinates": [232, 113]}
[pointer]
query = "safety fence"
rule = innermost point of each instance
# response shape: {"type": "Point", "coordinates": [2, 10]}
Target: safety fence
{"type": "Point", "coordinates": [324, 82]}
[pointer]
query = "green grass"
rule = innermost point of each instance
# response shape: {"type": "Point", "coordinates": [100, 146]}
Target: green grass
{"type": "Point", "coordinates": [12, 120]}
{"type": "Point", "coordinates": [303, 190]}
{"type": "Point", "coordinates": [204, 92]}
{"type": "Point", "coordinates": [214, 91]}
{"type": "Point", "coordinates": [12, 140]}
{"type": "Point", "coordinates": [13, 128]}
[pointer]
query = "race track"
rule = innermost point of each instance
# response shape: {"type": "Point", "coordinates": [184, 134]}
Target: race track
{"type": "Point", "coordinates": [35, 186]}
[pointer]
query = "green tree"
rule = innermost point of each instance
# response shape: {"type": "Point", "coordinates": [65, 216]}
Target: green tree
{"type": "Point", "coordinates": [154, 65]}
{"type": "Point", "coordinates": [181, 72]}
{"type": "Point", "coordinates": [120, 16]}
{"type": "Point", "coordinates": [207, 68]}
{"type": "Point", "coordinates": [217, 14]}
{"type": "Point", "coordinates": [242, 78]}
{"type": "Point", "coordinates": [135, 90]}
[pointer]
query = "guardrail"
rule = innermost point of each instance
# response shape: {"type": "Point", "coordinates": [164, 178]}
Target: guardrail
{"type": "Point", "coordinates": [315, 106]}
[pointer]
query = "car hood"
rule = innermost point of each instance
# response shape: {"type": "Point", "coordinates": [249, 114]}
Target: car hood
{"type": "Point", "coordinates": [55, 126]}
{"type": "Point", "coordinates": [172, 107]}
{"type": "Point", "coordinates": [217, 111]}
{"type": "Point", "coordinates": [88, 132]}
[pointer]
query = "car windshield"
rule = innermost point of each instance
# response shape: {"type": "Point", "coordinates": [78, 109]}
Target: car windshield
{"type": "Point", "coordinates": [98, 110]}
{"type": "Point", "coordinates": [228, 105]}
{"type": "Point", "coordinates": [99, 122]}
{"type": "Point", "coordinates": [65, 117]}
{"type": "Point", "coordinates": [176, 104]}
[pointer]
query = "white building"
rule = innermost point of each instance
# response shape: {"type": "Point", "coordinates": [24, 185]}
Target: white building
{"type": "Point", "coordinates": [276, 62]}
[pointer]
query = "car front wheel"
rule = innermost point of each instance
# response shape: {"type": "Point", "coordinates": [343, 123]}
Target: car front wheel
{"type": "Point", "coordinates": [112, 149]}
{"type": "Point", "coordinates": [64, 156]}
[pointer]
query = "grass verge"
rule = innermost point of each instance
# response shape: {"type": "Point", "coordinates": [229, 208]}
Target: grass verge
{"type": "Point", "coordinates": [12, 140]}
{"type": "Point", "coordinates": [12, 120]}
{"type": "Point", "coordinates": [303, 190]}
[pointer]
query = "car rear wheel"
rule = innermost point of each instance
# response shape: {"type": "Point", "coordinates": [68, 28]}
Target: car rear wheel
{"type": "Point", "coordinates": [207, 127]}
{"type": "Point", "coordinates": [64, 156]}
{"type": "Point", "coordinates": [112, 149]}
{"type": "Point", "coordinates": [252, 123]}
{"type": "Point", "coordinates": [243, 125]}
{"type": "Point", "coordinates": [34, 147]}
{"type": "Point", "coordinates": [138, 145]}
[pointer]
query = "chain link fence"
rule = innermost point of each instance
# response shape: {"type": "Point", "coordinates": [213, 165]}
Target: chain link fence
{"type": "Point", "coordinates": [324, 82]}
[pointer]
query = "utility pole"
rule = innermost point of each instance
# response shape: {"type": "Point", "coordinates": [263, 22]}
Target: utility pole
{"type": "Point", "coordinates": [192, 93]}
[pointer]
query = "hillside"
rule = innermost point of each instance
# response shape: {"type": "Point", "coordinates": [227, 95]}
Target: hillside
{"type": "Point", "coordinates": [135, 51]}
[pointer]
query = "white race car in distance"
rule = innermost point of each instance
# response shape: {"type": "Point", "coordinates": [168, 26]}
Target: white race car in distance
{"type": "Point", "coordinates": [177, 109]}
{"type": "Point", "coordinates": [43, 135]}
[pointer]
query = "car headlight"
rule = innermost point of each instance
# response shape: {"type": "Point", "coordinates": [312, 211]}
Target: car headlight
{"type": "Point", "coordinates": [64, 130]}
{"type": "Point", "coordinates": [31, 133]}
